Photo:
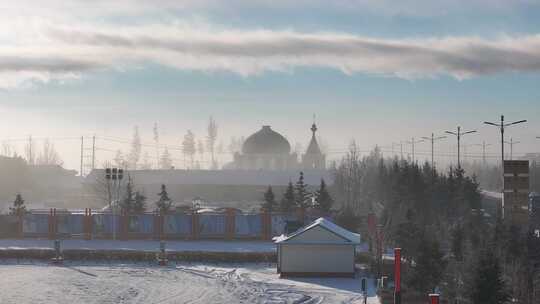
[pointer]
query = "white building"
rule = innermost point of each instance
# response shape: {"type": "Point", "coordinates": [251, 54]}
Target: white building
{"type": "Point", "coordinates": [319, 249]}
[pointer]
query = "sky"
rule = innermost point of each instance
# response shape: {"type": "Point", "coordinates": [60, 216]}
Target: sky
{"type": "Point", "coordinates": [377, 72]}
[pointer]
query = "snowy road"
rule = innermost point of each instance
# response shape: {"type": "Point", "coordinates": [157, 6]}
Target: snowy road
{"type": "Point", "coordinates": [183, 283]}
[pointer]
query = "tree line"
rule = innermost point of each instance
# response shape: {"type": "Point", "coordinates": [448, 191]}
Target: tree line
{"type": "Point", "coordinates": [449, 242]}
{"type": "Point", "coordinates": [299, 197]}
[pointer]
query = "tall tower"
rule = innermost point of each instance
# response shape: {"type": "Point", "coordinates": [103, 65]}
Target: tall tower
{"type": "Point", "coordinates": [313, 158]}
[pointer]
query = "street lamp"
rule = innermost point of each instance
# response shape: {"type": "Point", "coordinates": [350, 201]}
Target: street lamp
{"type": "Point", "coordinates": [502, 126]}
{"type": "Point", "coordinates": [512, 143]}
{"type": "Point", "coordinates": [483, 145]}
{"type": "Point", "coordinates": [458, 134]}
{"type": "Point", "coordinates": [433, 139]}
{"type": "Point", "coordinates": [116, 175]}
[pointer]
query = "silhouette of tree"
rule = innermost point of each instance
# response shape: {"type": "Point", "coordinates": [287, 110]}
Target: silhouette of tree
{"type": "Point", "coordinates": [269, 200]}
{"type": "Point", "coordinates": [164, 203]}
{"type": "Point", "coordinates": [18, 206]}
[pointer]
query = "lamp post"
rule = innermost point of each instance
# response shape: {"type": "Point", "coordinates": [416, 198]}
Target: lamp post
{"type": "Point", "coordinates": [512, 143]}
{"type": "Point", "coordinates": [458, 134]}
{"type": "Point", "coordinates": [502, 125]}
{"type": "Point", "coordinates": [115, 175]}
{"type": "Point", "coordinates": [483, 145]}
{"type": "Point", "coordinates": [433, 139]}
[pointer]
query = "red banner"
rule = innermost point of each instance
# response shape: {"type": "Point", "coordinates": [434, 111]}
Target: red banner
{"type": "Point", "coordinates": [397, 269]}
{"type": "Point", "coordinates": [434, 298]}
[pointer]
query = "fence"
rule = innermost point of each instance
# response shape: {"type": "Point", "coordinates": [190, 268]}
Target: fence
{"type": "Point", "coordinates": [100, 225]}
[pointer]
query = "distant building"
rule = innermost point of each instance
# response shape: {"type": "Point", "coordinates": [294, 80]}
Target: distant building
{"type": "Point", "coordinates": [213, 186]}
{"type": "Point", "coordinates": [265, 160]}
{"type": "Point", "coordinates": [268, 150]}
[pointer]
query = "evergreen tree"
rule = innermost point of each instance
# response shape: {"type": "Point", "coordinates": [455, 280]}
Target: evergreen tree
{"type": "Point", "coordinates": [164, 203]}
{"type": "Point", "coordinates": [165, 161]}
{"type": "Point", "coordinates": [18, 206]}
{"type": "Point", "coordinates": [126, 205]}
{"type": "Point", "coordinates": [457, 242]}
{"type": "Point", "coordinates": [488, 286]}
{"type": "Point", "coordinates": [288, 201]}
{"type": "Point", "coordinates": [189, 147]}
{"type": "Point", "coordinates": [139, 203]}
{"type": "Point", "coordinates": [269, 200]}
{"type": "Point", "coordinates": [323, 199]}
{"type": "Point", "coordinates": [301, 197]}
{"type": "Point", "coordinates": [428, 268]}
{"type": "Point", "coordinates": [347, 219]}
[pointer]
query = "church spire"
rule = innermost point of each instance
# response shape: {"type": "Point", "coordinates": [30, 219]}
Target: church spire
{"type": "Point", "coordinates": [313, 147]}
{"type": "Point", "coordinates": [313, 126]}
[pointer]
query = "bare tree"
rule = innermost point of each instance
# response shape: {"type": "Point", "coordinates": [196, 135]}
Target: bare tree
{"type": "Point", "coordinates": [49, 155]}
{"type": "Point", "coordinates": [146, 163]}
{"type": "Point", "coordinates": [135, 153]}
{"type": "Point", "coordinates": [200, 149]}
{"type": "Point", "coordinates": [188, 147]}
{"type": "Point", "coordinates": [7, 149]}
{"type": "Point", "coordinates": [119, 159]}
{"type": "Point", "coordinates": [348, 178]}
{"type": "Point", "coordinates": [165, 161]}
{"type": "Point", "coordinates": [30, 151]}
{"type": "Point", "coordinates": [211, 139]}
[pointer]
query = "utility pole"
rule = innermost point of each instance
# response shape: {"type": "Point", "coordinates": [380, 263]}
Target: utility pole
{"type": "Point", "coordinates": [82, 155]}
{"type": "Point", "coordinates": [412, 142]}
{"type": "Point", "coordinates": [458, 134]}
{"type": "Point", "coordinates": [483, 145]}
{"type": "Point", "coordinates": [465, 150]}
{"type": "Point", "coordinates": [433, 139]}
{"type": "Point", "coordinates": [30, 158]}
{"type": "Point", "coordinates": [512, 143]}
{"type": "Point", "coordinates": [501, 127]}
{"type": "Point", "coordinates": [93, 152]}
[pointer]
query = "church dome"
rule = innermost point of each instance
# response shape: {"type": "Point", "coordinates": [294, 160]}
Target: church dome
{"type": "Point", "coordinates": [266, 141]}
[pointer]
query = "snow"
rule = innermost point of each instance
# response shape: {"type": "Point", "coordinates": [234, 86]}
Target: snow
{"type": "Point", "coordinates": [142, 245]}
{"type": "Point", "coordinates": [350, 236]}
{"type": "Point", "coordinates": [491, 194]}
{"type": "Point", "coordinates": [91, 282]}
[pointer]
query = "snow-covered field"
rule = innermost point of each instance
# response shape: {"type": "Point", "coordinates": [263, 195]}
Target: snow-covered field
{"type": "Point", "coordinates": [90, 282]}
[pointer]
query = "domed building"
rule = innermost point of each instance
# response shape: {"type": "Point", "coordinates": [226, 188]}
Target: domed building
{"type": "Point", "coordinates": [266, 149]}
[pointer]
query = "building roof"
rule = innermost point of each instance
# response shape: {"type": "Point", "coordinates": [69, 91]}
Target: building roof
{"type": "Point", "coordinates": [348, 236]}
{"type": "Point", "coordinates": [266, 141]}
{"type": "Point", "coordinates": [313, 147]}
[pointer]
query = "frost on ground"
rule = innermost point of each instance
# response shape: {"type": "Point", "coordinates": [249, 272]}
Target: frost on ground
{"type": "Point", "coordinates": [78, 282]}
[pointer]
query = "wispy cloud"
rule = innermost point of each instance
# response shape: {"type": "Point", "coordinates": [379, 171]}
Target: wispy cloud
{"type": "Point", "coordinates": [63, 51]}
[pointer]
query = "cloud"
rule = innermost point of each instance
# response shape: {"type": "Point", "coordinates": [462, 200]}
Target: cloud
{"type": "Point", "coordinates": [66, 52]}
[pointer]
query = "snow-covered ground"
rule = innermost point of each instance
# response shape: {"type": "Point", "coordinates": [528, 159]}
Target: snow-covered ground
{"type": "Point", "coordinates": [143, 245]}
{"type": "Point", "coordinates": [88, 282]}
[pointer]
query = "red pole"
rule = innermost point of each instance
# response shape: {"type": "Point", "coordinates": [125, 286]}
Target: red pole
{"type": "Point", "coordinates": [434, 298]}
{"type": "Point", "coordinates": [397, 275]}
